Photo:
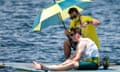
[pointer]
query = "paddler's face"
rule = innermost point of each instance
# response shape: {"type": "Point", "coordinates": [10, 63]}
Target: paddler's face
{"type": "Point", "coordinates": [73, 15]}
{"type": "Point", "coordinates": [75, 37]}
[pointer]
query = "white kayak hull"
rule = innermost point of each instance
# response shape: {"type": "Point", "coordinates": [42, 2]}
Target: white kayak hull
{"type": "Point", "coordinates": [29, 67]}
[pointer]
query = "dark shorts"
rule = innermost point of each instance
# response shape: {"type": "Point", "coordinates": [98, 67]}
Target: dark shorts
{"type": "Point", "coordinates": [87, 66]}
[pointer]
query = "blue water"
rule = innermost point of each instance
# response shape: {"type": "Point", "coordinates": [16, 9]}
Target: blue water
{"type": "Point", "coordinates": [19, 44]}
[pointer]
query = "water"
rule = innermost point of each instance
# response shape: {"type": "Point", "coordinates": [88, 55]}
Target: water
{"type": "Point", "coordinates": [19, 44]}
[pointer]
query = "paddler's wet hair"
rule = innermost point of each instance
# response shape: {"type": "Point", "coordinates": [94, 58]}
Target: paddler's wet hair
{"type": "Point", "coordinates": [71, 10]}
{"type": "Point", "coordinates": [76, 30]}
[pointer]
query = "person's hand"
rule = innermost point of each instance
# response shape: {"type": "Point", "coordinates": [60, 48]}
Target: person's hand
{"type": "Point", "coordinates": [84, 24]}
{"type": "Point", "coordinates": [96, 22]}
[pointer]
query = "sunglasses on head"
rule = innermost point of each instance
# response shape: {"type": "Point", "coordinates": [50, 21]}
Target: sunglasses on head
{"type": "Point", "coordinates": [72, 34]}
{"type": "Point", "coordinates": [73, 17]}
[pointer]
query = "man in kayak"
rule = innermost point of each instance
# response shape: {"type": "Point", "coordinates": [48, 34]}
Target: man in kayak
{"type": "Point", "coordinates": [87, 24]}
{"type": "Point", "coordinates": [86, 50]}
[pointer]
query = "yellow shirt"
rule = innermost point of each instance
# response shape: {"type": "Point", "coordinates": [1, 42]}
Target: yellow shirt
{"type": "Point", "coordinates": [89, 31]}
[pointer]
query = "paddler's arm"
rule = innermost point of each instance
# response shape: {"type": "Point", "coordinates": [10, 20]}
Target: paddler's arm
{"type": "Point", "coordinates": [67, 33]}
{"type": "Point", "coordinates": [96, 22]}
{"type": "Point", "coordinates": [79, 51]}
{"type": "Point", "coordinates": [93, 21]}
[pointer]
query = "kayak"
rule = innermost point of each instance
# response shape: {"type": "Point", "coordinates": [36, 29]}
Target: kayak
{"type": "Point", "coordinates": [29, 67]}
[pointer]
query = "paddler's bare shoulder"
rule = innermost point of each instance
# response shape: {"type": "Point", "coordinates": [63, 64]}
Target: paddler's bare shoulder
{"type": "Point", "coordinates": [85, 40]}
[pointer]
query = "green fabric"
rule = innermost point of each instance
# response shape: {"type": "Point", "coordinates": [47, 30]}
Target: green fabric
{"type": "Point", "coordinates": [87, 66]}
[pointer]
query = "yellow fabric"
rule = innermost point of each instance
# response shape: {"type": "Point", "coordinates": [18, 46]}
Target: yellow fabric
{"type": "Point", "coordinates": [37, 28]}
{"type": "Point", "coordinates": [89, 31]}
{"type": "Point", "coordinates": [94, 59]}
{"type": "Point", "coordinates": [53, 10]}
{"type": "Point", "coordinates": [46, 13]}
